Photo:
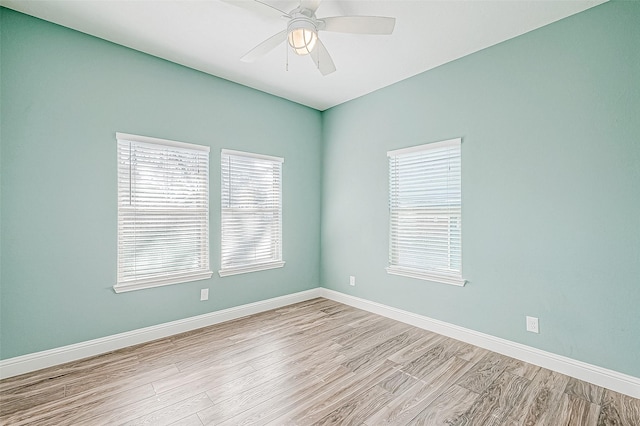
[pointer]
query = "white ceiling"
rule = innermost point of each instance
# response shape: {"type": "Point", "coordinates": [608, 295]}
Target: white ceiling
{"type": "Point", "coordinates": [211, 36]}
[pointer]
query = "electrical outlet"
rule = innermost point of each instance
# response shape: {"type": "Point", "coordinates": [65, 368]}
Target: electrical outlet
{"type": "Point", "coordinates": [352, 280]}
{"type": "Point", "coordinates": [532, 325]}
{"type": "Point", "coordinates": [204, 294]}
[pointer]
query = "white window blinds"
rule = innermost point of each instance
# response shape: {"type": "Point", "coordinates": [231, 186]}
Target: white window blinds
{"type": "Point", "coordinates": [425, 207]}
{"type": "Point", "coordinates": [251, 194]}
{"type": "Point", "coordinates": [163, 212]}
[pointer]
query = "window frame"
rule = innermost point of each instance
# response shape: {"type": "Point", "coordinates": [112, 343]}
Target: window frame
{"type": "Point", "coordinates": [448, 211]}
{"type": "Point", "coordinates": [200, 257]}
{"type": "Point", "coordinates": [277, 260]}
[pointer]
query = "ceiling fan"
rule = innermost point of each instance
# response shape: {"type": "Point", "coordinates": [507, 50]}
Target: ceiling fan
{"type": "Point", "coordinates": [303, 27]}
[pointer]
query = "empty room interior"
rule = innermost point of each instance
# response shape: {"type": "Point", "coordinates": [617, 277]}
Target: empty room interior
{"type": "Point", "coordinates": [320, 212]}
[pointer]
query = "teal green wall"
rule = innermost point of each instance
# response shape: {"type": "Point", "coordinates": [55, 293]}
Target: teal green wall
{"type": "Point", "coordinates": [64, 95]}
{"type": "Point", "coordinates": [551, 185]}
{"type": "Point", "coordinates": [550, 123]}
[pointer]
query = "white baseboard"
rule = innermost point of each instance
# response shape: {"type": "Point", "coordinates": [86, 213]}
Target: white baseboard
{"type": "Point", "coordinates": [36, 361]}
{"type": "Point", "coordinates": [609, 379]}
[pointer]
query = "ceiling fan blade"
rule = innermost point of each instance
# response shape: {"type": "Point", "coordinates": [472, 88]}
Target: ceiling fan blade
{"type": "Point", "coordinates": [265, 47]}
{"type": "Point", "coordinates": [322, 59]}
{"type": "Point", "coordinates": [258, 6]}
{"type": "Point", "coordinates": [359, 24]}
{"type": "Point", "coordinates": [312, 5]}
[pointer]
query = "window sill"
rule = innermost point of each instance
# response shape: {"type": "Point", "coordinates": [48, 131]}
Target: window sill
{"type": "Point", "coordinates": [250, 268]}
{"type": "Point", "coordinates": [411, 273]}
{"type": "Point", "coordinates": [158, 282]}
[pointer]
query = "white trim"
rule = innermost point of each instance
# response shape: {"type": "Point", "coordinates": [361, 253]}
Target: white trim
{"type": "Point", "coordinates": [251, 268]}
{"type": "Point", "coordinates": [157, 282]}
{"type": "Point", "coordinates": [148, 139]}
{"type": "Point", "coordinates": [432, 145]}
{"type": "Point", "coordinates": [609, 379]}
{"type": "Point", "coordinates": [606, 378]}
{"type": "Point", "coordinates": [251, 155]}
{"type": "Point", "coordinates": [36, 361]}
{"type": "Point", "coordinates": [443, 279]}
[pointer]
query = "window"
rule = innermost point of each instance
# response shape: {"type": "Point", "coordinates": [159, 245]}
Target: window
{"type": "Point", "coordinates": [425, 207]}
{"type": "Point", "coordinates": [251, 212]}
{"type": "Point", "coordinates": [163, 212]}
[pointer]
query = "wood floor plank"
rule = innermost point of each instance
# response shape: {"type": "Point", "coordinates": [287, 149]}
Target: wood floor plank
{"type": "Point", "coordinates": [75, 410]}
{"type": "Point", "coordinates": [261, 376]}
{"type": "Point", "coordinates": [383, 331]}
{"type": "Point", "coordinates": [316, 341]}
{"type": "Point", "coordinates": [575, 411]}
{"type": "Point", "coordinates": [587, 391]}
{"type": "Point", "coordinates": [192, 420]}
{"type": "Point", "coordinates": [538, 403]}
{"type": "Point", "coordinates": [211, 373]}
{"type": "Point", "coordinates": [313, 362]}
{"type": "Point", "coordinates": [338, 308]}
{"type": "Point", "coordinates": [472, 353]}
{"type": "Point", "coordinates": [520, 368]}
{"type": "Point", "coordinates": [430, 360]}
{"type": "Point", "coordinates": [410, 352]}
{"type": "Point", "coordinates": [409, 404]}
{"type": "Point", "coordinates": [447, 408]}
{"type": "Point", "coordinates": [119, 380]}
{"type": "Point", "coordinates": [618, 409]}
{"type": "Point", "coordinates": [328, 403]}
{"type": "Point", "coordinates": [283, 404]}
{"type": "Point", "coordinates": [271, 407]}
{"type": "Point", "coordinates": [354, 334]}
{"type": "Point", "coordinates": [287, 342]}
{"type": "Point", "coordinates": [24, 397]}
{"type": "Point", "coordinates": [495, 402]}
{"type": "Point", "coordinates": [484, 373]}
{"type": "Point", "coordinates": [230, 355]}
{"type": "Point", "coordinates": [379, 352]}
{"type": "Point", "coordinates": [356, 409]}
{"type": "Point", "coordinates": [202, 385]}
{"type": "Point", "coordinates": [334, 382]}
{"type": "Point", "coordinates": [365, 320]}
{"type": "Point", "coordinates": [244, 400]}
{"type": "Point", "coordinates": [404, 407]}
{"type": "Point", "coordinates": [122, 414]}
{"type": "Point", "coordinates": [173, 413]}
{"type": "Point", "coordinates": [65, 373]}
{"type": "Point", "coordinates": [398, 382]}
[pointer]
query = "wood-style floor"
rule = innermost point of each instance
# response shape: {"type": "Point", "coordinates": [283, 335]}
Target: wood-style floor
{"type": "Point", "coordinates": [313, 363]}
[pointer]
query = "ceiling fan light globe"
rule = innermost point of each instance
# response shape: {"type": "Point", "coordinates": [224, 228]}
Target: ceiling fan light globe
{"type": "Point", "coordinates": [302, 40]}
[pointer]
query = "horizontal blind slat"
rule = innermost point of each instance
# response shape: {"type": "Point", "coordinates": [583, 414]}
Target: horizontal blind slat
{"type": "Point", "coordinates": [251, 198]}
{"type": "Point", "coordinates": [425, 202]}
{"type": "Point", "coordinates": [163, 210]}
